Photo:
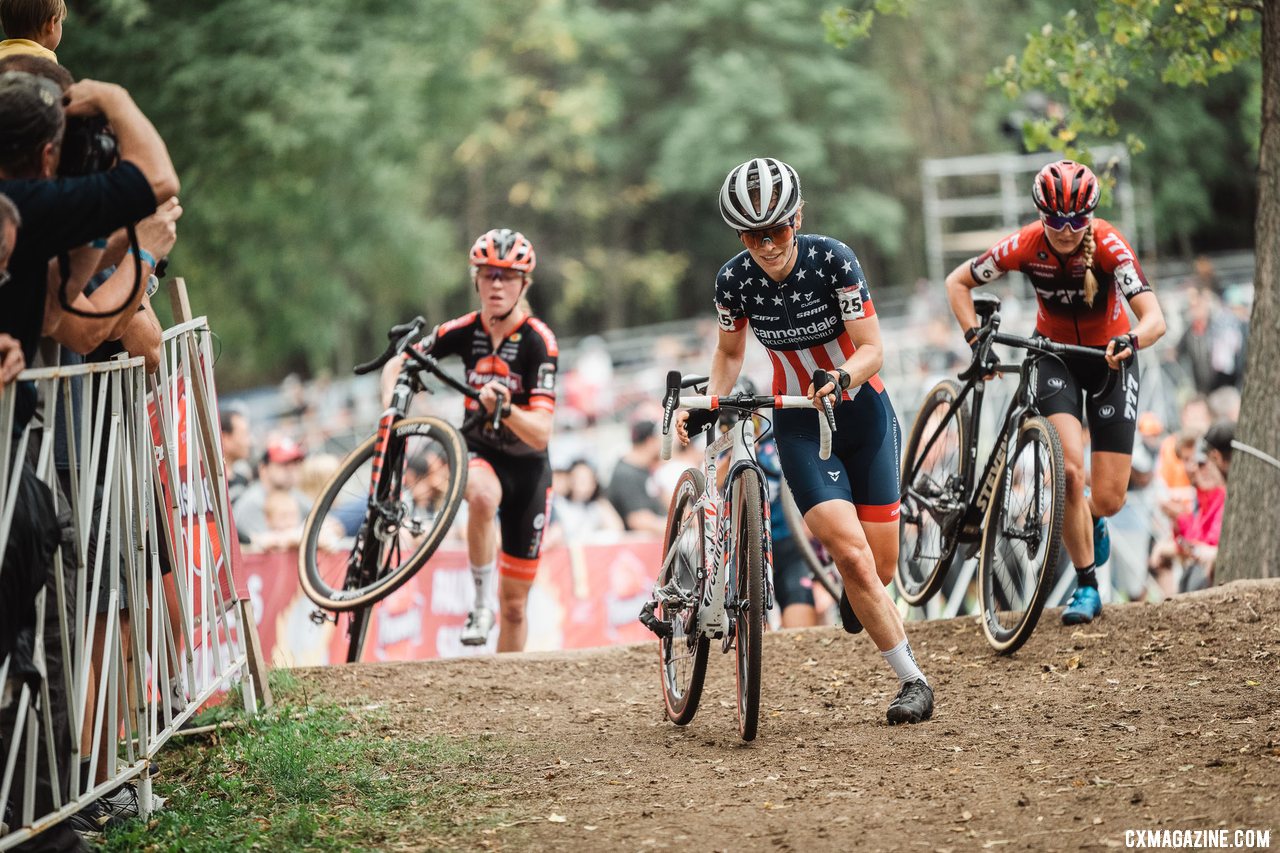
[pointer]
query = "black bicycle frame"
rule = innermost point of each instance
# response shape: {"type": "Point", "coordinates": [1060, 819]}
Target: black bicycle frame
{"type": "Point", "coordinates": [1023, 404]}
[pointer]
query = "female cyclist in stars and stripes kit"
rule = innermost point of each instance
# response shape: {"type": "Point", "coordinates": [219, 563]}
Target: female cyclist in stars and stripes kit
{"type": "Point", "coordinates": [806, 299]}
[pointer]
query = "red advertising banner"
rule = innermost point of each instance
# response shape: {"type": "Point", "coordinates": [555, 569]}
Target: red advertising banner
{"type": "Point", "coordinates": [585, 595]}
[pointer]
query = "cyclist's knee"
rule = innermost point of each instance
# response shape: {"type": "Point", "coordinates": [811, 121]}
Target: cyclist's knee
{"type": "Point", "coordinates": [1107, 505]}
{"type": "Point", "coordinates": [483, 498]}
{"type": "Point", "coordinates": [513, 612]}
{"type": "Point", "coordinates": [857, 563]}
{"type": "Point", "coordinates": [1075, 478]}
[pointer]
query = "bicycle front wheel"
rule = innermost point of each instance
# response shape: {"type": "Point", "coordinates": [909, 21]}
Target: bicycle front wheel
{"type": "Point", "coordinates": [1022, 536]}
{"type": "Point", "coordinates": [933, 497]}
{"type": "Point", "coordinates": [682, 653]}
{"type": "Point", "coordinates": [749, 584]}
{"type": "Point", "coordinates": [381, 543]}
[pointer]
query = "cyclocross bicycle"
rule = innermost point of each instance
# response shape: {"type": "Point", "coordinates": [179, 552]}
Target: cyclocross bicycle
{"type": "Point", "coordinates": [387, 509]}
{"type": "Point", "coordinates": [713, 583]}
{"type": "Point", "coordinates": [1014, 520]}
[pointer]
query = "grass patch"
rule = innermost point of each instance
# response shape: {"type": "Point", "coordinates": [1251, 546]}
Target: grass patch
{"type": "Point", "coordinates": [313, 777]}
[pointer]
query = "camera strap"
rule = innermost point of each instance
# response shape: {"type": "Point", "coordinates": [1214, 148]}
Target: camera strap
{"type": "Point", "coordinates": [64, 269]}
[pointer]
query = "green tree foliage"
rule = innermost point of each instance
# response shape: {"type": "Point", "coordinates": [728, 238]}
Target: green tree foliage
{"type": "Point", "coordinates": [339, 156]}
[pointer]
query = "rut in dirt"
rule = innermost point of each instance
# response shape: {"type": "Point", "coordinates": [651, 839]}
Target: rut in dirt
{"type": "Point", "coordinates": [1156, 716]}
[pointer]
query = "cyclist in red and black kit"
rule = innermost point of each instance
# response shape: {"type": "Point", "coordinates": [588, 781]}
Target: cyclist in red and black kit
{"type": "Point", "coordinates": [1082, 270]}
{"type": "Point", "coordinates": [510, 356]}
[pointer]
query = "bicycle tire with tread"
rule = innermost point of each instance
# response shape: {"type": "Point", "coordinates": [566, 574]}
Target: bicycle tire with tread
{"type": "Point", "coordinates": [316, 588]}
{"type": "Point", "coordinates": [681, 705]}
{"type": "Point", "coordinates": [918, 594]}
{"type": "Point", "coordinates": [1008, 642]}
{"type": "Point", "coordinates": [750, 622]}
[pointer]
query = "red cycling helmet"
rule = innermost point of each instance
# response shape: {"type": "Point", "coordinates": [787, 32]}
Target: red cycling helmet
{"type": "Point", "coordinates": [1065, 188]}
{"type": "Point", "coordinates": [502, 247]}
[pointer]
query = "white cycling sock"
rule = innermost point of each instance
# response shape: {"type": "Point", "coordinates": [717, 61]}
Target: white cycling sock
{"type": "Point", "coordinates": [483, 577]}
{"type": "Point", "coordinates": [904, 663]}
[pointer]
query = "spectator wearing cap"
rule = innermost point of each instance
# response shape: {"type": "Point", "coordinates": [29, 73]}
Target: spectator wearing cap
{"type": "Point", "coordinates": [632, 489]}
{"type": "Point", "coordinates": [277, 472]}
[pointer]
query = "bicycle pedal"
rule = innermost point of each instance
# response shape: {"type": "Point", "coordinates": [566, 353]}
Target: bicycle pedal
{"type": "Point", "coordinates": [319, 616]}
{"type": "Point", "coordinates": [647, 618]}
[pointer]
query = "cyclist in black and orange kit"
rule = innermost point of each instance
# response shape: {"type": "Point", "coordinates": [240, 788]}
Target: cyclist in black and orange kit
{"type": "Point", "coordinates": [511, 358]}
{"type": "Point", "coordinates": [1082, 269]}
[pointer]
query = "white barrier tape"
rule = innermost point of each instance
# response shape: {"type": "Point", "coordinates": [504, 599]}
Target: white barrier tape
{"type": "Point", "coordinates": [1256, 453]}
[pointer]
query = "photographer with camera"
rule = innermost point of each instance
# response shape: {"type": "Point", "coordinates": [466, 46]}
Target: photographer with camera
{"type": "Point", "coordinates": [62, 215]}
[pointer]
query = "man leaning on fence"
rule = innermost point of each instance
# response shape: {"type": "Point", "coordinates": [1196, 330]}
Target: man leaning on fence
{"type": "Point", "coordinates": [57, 217]}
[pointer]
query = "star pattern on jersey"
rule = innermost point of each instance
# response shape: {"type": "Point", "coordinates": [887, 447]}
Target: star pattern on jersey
{"type": "Point", "coordinates": [759, 299]}
{"type": "Point", "coordinates": [728, 272]}
{"type": "Point", "coordinates": [795, 296]}
{"type": "Point", "coordinates": [812, 251]}
{"type": "Point", "coordinates": [847, 266]}
{"type": "Point", "coordinates": [777, 300]}
{"type": "Point", "coordinates": [830, 255]}
{"type": "Point", "coordinates": [746, 264]}
{"type": "Point", "coordinates": [800, 273]}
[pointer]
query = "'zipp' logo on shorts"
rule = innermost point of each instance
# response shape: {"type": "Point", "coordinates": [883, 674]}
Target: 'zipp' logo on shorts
{"type": "Point", "coordinates": [1106, 411]}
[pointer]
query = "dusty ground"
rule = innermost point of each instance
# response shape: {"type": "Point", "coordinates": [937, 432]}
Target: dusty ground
{"type": "Point", "coordinates": [1157, 717]}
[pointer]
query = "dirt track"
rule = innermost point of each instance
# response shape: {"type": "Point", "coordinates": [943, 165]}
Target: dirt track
{"type": "Point", "coordinates": [1156, 717]}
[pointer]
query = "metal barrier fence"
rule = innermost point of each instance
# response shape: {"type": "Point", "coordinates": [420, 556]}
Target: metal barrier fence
{"type": "Point", "coordinates": [138, 625]}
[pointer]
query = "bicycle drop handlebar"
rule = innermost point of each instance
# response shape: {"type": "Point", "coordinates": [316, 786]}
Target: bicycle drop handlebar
{"type": "Point", "coordinates": [403, 337]}
{"type": "Point", "coordinates": [672, 401]}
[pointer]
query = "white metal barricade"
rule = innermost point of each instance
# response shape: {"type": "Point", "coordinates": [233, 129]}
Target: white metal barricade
{"type": "Point", "coordinates": [141, 604]}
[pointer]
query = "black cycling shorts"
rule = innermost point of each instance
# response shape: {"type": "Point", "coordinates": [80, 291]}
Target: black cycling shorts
{"type": "Point", "coordinates": [523, 511]}
{"type": "Point", "coordinates": [1073, 390]}
{"type": "Point", "coordinates": [792, 582]}
{"type": "Point", "coordinates": [865, 453]}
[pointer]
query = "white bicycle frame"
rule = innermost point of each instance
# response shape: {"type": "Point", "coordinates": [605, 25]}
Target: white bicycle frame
{"type": "Point", "coordinates": [717, 539]}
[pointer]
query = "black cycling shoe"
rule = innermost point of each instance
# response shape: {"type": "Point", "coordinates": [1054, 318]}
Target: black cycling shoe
{"type": "Point", "coordinates": [914, 704]}
{"type": "Point", "coordinates": [848, 618]}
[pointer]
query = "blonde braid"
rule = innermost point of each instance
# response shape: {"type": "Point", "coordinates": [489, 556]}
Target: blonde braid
{"type": "Point", "coordinates": [1090, 282]}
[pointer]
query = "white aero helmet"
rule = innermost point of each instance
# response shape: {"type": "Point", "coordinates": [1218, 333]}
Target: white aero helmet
{"type": "Point", "coordinates": [777, 194]}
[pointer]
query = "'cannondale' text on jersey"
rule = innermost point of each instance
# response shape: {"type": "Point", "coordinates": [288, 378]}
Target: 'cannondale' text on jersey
{"type": "Point", "coordinates": [800, 320]}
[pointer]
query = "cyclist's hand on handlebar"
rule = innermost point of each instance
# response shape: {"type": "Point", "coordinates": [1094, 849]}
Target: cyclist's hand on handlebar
{"type": "Point", "coordinates": [695, 421]}
{"type": "Point", "coordinates": [495, 394]}
{"type": "Point", "coordinates": [828, 388]}
{"type": "Point", "coordinates": [1121, 351]}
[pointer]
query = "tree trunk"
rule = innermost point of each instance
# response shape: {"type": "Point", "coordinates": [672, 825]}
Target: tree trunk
{"type": "Point", "coordinates": [1250, 545]}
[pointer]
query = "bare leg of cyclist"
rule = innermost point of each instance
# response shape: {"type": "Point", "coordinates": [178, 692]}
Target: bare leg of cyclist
{"type": "Point", "coordinates": [1077, 526]}
{"type": "Point", "coordinates": [1109, 482]}
{"type": "Point", "coordinates": [484, 494]}
{"type": "Point", "coordinates": [866, 556]}
{"type": "Point", "coordinates": [836, 525]}
{"type": "Point", "coordinates": [513, 597]}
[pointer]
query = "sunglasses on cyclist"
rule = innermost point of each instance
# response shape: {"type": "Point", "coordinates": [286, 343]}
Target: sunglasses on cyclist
{"type": "Point", "coordinates": [777, 235]}
{"type": "Point", "coordinates": [1077, 223]}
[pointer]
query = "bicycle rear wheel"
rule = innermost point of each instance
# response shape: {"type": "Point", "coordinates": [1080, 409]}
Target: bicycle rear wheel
{"type": "Point", "coordinates": [749, 582]}
{"type": "Point", "coordinates": [420, 486]}
{"type": "Point", "coordinates": [933, 498]}
{"type": "Point", "coordinates": [1022, 536]}
{"type": "Point", "coordinates": [682, 654]}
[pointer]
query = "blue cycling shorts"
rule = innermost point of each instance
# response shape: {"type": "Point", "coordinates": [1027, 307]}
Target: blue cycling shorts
{"type": "Point", "coordinates": [865, 454]}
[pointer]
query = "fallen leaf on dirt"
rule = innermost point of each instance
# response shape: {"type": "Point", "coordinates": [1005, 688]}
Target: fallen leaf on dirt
{"type": "Point", "coordinates": [1251, 683]}
{"type": "Point", "coordinates": [1073, 662]}
{"type": "Point", "coordinates": [556, 818]}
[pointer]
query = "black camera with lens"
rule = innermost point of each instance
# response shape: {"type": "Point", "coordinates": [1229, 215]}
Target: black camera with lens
{"type": "Point", "coordinates": [88, 146]}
